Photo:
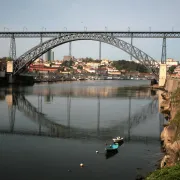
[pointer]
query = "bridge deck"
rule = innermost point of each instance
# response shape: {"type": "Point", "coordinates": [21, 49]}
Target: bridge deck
{"type": "Point", "coordinates": [120, 34]}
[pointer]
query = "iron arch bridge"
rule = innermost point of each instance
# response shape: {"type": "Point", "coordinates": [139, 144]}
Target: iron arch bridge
{"type": "Point", "coordinates": [21, 63]}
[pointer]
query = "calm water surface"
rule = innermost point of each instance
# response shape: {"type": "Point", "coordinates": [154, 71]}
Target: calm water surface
{"type": "Point", "coordinates": [47, 130]}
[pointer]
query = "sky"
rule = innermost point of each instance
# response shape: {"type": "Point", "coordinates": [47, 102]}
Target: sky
{"type": "Point", "coordinates": [116, 15]}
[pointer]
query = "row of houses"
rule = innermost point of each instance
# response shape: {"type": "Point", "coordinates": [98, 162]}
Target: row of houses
{"type": "Point", "coordinates": [102, 67]}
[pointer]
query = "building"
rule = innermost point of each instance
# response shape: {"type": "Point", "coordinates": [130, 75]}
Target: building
{"type": "Point", "coordinates": [49, 56]}
{"type": "Point", "coordinates": [113, 71]}
{"type": "Point", "coordinates": [105, 62]}
{"type": "Point", "coordinates": [102, 71]}
{"type": "Point", "coordinates": [171, 62]}
{"type": "Point", "coordinates": [93, 64]}
{"type": "Point", "coordinates": [68, 58]}
{"type": "Point", "coordinates": [89, 69]}
{"type": "Point", "coordinates": [39, 60]}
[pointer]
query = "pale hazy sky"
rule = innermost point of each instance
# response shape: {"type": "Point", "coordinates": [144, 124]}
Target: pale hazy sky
{"type": "Point", "coordinates": [139, 15]}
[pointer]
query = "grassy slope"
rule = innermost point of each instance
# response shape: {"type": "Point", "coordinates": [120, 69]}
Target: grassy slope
{"type": "Point", "coordinates": [169, 173]}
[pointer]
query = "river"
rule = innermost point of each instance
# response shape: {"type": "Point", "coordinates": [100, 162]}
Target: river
{"type": "Point", "coordinates": [47, 130]}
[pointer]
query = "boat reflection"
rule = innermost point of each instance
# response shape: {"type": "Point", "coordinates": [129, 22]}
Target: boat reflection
{"type": "Point", "coordinates": [110, 154]}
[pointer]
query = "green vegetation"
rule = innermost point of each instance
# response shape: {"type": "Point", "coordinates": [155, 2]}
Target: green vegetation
{"type": "Point", "coordinates": [171, 69]}
{"type": "Point", "coordinates": [67, 63]}
{"type": "Point", "coordinates": [168, 173]}
{"type": "Point", "coordinates": [79, 67]}
{"type": "Point", "coordinates": [129, 66]}
{"type": "Point", "coordinates": [87, 59]}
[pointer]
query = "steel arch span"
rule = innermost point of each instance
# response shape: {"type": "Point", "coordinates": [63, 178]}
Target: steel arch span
{"type": "Point", "coordinates": [28, 57]}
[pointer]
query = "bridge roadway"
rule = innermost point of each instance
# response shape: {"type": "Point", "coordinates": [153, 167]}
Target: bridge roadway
{"type": "Point", "coordinates": [118, 34]}
{"type": "Point", "coordinates": [57, 130]}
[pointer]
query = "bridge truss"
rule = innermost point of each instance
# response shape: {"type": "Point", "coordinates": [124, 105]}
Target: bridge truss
{"type": "Point", "coordinates": [28, 57]}
{"type": "Point", "coordinates": [114, 34]}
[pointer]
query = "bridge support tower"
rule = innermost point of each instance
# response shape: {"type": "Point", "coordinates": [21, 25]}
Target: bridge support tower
{"type": "Point", "coordinates": [12, 52]}
{"type": "Point", "coordinates": [100, 50]}
{"type": "Point", "coordinates": [162, 74]}
{"type": "Point", "coordinates": [12, 56]}
{"type": "Point", "coordinates": [70, 51]}
{"type": "Point", "coordinates": [163, 66]}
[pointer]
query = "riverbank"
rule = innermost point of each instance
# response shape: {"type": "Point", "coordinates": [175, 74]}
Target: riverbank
{"type": "Point", "coordinates": [170, 136]}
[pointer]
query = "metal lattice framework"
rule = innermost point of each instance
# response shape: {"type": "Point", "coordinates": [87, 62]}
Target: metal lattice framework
{"type": "Point", "coordinates": [28, 57]}
{"type": "Point", "coordinates": [12, 53]}
{"type": "Point", "coordinates": [119, 34]}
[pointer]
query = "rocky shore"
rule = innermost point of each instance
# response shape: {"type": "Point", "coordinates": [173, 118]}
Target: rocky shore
{"type": "Point", "coordinates": [170, 137]}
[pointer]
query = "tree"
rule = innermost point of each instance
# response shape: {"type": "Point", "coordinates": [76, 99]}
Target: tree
{"type": "Point", "coordinates": [67, 63]}
{"type": "Point", "coordinates": [79, 67]}
{"type": "Point", "coordinates": [171, 69]}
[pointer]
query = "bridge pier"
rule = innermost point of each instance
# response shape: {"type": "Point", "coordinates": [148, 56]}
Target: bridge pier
{"type": "Point", "coordinates": [162, 74]}
{"type": "Point", "coordinates": [100, 50]}
{"type": "Point", "coordinates": [12, 52]}
{"type": "Point", "coordinates": [163, 66]}
{"type": "Point", "coordinates": [131, 58]}
{"type": "Point", "coordinates": [70, 49]}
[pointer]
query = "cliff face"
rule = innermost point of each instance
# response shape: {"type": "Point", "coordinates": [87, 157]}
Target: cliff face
{"type": "Point", "coordinates": [171, 132]}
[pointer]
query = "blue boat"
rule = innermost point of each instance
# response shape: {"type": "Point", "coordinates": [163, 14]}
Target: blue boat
{"type": "Point", "coordinates": [112, 147]}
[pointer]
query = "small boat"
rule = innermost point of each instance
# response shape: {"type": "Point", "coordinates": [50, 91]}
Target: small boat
{"type": "Point", "coordinates": [118, 139]}
{"type": "Point", "coordinates": [112, 147]}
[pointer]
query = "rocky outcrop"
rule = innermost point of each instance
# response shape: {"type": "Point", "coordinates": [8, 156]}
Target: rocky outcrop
{"type": "Point", "coordinates": [168, 133]}
{"type": "Point", "coordinates": [170, 143]}
{"type": "Point", "coordinates": [165, 106]}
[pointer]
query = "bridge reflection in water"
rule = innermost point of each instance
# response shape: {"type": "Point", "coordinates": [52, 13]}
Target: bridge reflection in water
{"type": "Point", "coordinates": [48, 127]}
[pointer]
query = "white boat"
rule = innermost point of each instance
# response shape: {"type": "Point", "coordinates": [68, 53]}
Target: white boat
{"type": "Point", "coordinates": [118, 139]}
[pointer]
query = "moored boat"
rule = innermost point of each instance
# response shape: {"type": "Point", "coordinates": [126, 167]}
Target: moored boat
{"type": "Point", "coordinates": [112, 147]}
{"type": "Point", "coordinates": [118, 139]}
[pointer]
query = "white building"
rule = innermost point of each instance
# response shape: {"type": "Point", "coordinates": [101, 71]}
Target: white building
{"type": "Point", "coordinates": [171, 62]}
{"type": "Point", "coordinates": [105, 62]}
{"type": "Point", "coordinates": [93, 64]}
